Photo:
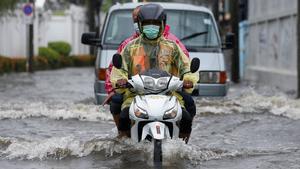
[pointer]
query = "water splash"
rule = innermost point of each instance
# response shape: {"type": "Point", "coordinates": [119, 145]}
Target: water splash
{"type": "Point", "coordinates": [251, 102]}
{"type": "Point", "coordinates": [248, 101]}
{"type": "Point", "coordinates": [60, 148]}
{"type": "Point", "coordinates": [61, 111]}
{"type": "Point", "coordinates": [174, 151]}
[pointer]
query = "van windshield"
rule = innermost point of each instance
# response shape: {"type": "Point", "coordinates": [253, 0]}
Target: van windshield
{"type": "Point", "coordinates": [195, 29]}
{"type": "Point", "coordinates": [120, 27]}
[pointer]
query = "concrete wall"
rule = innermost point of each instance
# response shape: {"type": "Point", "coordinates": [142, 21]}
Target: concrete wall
{"type": "Point", "coordinates": [272, 43]}
{"type": "Point", "coordinates": [67, 28]}
{"type": "Point", "coordinates": [47, 28]}
{"type": "Point", "coordinates": [12, 35]}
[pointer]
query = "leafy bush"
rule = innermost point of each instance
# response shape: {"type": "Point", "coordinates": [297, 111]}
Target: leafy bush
{"type": "Point", "coordinates": [48, 59]}
{"type": "Point", "coordinates": [83, 60]}
{"type": "Point", "coordinates": [60, 47]}
{"type": "Point", "coordinates": [18, 64]}
{"type": "Point", "coordinates": [41, 63]}
{"type": "Point", "coordinates": [5, 65]}
{"type": "Point", "coordinates": [66, 62]}
{"type": "Point", "coordinates": [51, 55]}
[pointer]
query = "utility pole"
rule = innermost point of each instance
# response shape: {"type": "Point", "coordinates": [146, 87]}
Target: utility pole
{"type": "Point", "coordinates": [98, 5]}
{"type": "Point", "coordinates": [216, 10]}
{"type": "Point", "coordinates": [298, 46]}
{"type": "Point", "coordinates": [30, 42]}
{"type": "Point", "coordinates": [235, 75]}
{"type": "Point", "coordinates": [93, 13]}
{"type": "Point", "coordinates": [91, 21]}
{"type": "Point", "coordinates": [29, 65]}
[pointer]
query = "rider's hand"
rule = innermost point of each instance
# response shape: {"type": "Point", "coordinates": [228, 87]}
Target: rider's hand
{"type": "Point", "coordinates": [187, 84]}
{"type": "Point", "coordinates": [121, 83]}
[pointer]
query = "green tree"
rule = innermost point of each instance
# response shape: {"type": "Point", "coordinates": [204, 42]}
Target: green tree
{"type": "Point", "coordinates": [6, 5]}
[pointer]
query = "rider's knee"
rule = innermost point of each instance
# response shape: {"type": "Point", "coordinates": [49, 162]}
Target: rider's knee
{"type": "Point", "coordinates": [124, 124]}
{"type": "Point", "coordinates": [189, 103]}
{"type": "Point", "coordinates": [186, 116]}
{"type": "Point", "coordinates": [117, 98]}
{"type": "Point", "coordinates": [125, 113]}
{"type": "Point", "coordinates": [116, 104]}
{"type": "Point", "coordinates": [187, 98]}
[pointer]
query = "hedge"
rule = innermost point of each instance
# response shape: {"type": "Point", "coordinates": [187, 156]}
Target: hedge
{"type": "Point", "coordinates": [5, 65]}
{"type": "Point", "coordinates": [51, 55]}
{"type": "Point", "coordinates": [18, 64]}
{"type": "Point", "coordinates": [63, 48]}
{"type": "Point", "coordinates": [66, 61]}
{"type": "Point", "coordinates": [42, 63]}
{"type": "Point", "coordinates": [83, 60]}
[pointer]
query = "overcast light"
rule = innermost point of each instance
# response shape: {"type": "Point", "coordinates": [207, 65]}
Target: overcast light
{"type": "Point", "coordinates": [39, 3]}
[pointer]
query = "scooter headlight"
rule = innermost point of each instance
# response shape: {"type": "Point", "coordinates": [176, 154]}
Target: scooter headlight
{"type": "Point", "coordinates": [149, 82]}
{"type": "Point", "coordinates": [162, 83]}
{"type": "Point", "coordinates": [172, 113]}
{"type": "Point", "coordinates": [140, 113]}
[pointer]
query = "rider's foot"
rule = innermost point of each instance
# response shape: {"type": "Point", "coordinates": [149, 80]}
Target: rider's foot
{"type": "Point", "coordinates": [185, 137]}
{"type": "Point", "coordinates": [123, 134]}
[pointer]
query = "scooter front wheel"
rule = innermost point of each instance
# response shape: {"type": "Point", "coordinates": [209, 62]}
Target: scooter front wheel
{"type": "Point", "coordinates": [157, 155]}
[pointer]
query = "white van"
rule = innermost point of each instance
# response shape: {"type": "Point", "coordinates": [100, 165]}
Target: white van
{"type": "Point", "coordinates": [195, 25]}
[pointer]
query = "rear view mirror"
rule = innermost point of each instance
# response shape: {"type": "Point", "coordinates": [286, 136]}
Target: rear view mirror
{"type": "Point", "coordinates": [90, 38]}
{"type": "Point", "coordinates": [117, 61]}
{"type": "Point", "coordinates": [229, 41]}
{"type": "Point", "coordinates": [195, 64]}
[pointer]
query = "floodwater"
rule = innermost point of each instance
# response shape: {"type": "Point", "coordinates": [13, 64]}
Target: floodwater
{"type": "Point", "coordinates": [48, 120]}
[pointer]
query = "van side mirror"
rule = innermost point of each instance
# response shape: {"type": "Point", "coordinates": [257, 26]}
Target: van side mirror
{"type": "Point", "coordinates": [90, 38]}
{"type": "Point", "coordinates": [117, 61]}
{"type": "Point", "coordinates": [195, 64]}
{"type": "Point", "coordinates": [229, 41]}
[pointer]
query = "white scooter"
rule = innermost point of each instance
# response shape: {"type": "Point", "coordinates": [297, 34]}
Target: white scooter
{"type": "Point", "coordinates": [154, 113]}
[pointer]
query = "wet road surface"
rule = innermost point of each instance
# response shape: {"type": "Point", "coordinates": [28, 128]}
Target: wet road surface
{"type": "Point", "coordinates": [48, 120]}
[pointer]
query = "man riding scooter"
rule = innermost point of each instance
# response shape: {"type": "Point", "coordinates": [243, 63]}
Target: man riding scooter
{"type": "Point", "coordinates": [117, 99]}
{"type": "Point", "coordinates": [152, 50]}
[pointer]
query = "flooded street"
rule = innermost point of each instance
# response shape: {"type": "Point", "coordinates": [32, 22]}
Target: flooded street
{"type": "Point", "coordinates": [48, 120]}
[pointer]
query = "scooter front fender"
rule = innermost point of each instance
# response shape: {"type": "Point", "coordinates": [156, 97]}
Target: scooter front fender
{"type": "Point", "coordinates": [157, 130]}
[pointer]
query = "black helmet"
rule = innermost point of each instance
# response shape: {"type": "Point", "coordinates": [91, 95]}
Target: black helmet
{"type": "Point", "coordinates": [152, 12]}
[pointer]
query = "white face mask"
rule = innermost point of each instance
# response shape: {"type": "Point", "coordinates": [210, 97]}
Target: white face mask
{"type": "Point", "coordinates": [136, 28]}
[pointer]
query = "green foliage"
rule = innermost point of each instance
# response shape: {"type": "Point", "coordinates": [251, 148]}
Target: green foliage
{"type": "Point", "coordinates": [106, 5]}
{"type": "Point", "coordinates": [66, 62]}
{"type": "Point", "coordinates": [5, 65]}
{"type": "Point", "coordinates": [59, 13]}
{"type": "Point", "coordinates": [18, 64]}
{"type": "Point", "coordinates": [41, 63]}
{"type": "Point", "coordinates": [160, 1]}
{"type": "Point", "coordinates": [83, 60]}
{"type": "Point", "coordinates": [51, 55]}
{"type": "Point", "coordinates": [6, 5]}
{"type": "Point", "coordinates": [12, 65]}
{"type": "Point", "coordinates": [8, 65]}
{"type": "Point", "coordinates": [63, 48]}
